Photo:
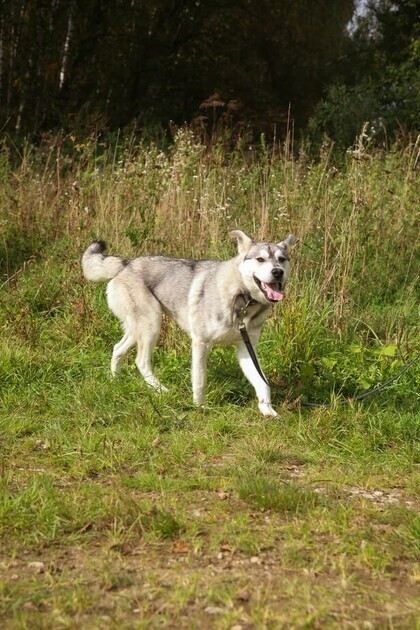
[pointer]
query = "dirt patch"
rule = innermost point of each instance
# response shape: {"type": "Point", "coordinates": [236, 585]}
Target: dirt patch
{"type": "Point", "coordinates": [182, 584]}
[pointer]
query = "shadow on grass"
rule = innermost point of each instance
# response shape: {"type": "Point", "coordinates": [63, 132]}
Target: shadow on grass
{"type": "Point", "coordinates": [15, 251]}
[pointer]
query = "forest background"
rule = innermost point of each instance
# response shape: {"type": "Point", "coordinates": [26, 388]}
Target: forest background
{"type": "Point", "coordinates": [102, 65]}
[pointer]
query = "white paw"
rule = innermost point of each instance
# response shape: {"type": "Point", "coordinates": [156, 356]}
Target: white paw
{"type": "Point", "coordinates": [267, 410]}
{"type": "Point", "coordinates": [156, 385]}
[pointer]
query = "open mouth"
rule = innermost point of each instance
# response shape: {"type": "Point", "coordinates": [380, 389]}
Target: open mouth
{"type": "Point", "coordinates": [273, 291]}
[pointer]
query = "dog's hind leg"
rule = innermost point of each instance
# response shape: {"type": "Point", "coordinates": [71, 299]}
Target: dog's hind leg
{"type": "Point", "coordinates": [261, 389]}
{"type": "Point", "coordinates": [120, 350]}
{"type": "Point", "coordinates": [141, 316]}
{"type": "Point", "coordinates": [147, 335]}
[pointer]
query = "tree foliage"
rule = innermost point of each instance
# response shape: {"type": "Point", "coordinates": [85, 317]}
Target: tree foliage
{"type": "Point", "coordinates": [378, 79]}
{"type": "Point", "coordinates": [105, 63]}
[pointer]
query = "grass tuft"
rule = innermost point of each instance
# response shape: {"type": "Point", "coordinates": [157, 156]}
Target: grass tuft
{"type": "Point", "coordinates": [281, 496]}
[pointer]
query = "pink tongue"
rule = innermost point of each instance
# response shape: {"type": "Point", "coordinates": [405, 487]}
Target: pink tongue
{"type": "Point", "coordinates": [272, 291]}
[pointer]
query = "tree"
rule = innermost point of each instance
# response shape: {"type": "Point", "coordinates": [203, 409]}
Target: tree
{"type": "Point", "coordinates": [378, 80]}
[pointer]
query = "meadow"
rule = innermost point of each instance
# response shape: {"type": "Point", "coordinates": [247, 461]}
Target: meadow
{"type": "Point", "coordinates": [124, 509]}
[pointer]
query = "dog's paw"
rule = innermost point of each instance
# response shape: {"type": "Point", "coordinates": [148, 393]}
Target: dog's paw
{"type": "Point", "coordinates": [267, 410]}
{"type": "Point", "coordinates": [156, 385]}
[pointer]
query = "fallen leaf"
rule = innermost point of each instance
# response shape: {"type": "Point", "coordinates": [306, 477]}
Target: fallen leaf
{"type": "Point", "coordinates": [125, 549]}
{"type": "Point", "coordinates": [180, 546]}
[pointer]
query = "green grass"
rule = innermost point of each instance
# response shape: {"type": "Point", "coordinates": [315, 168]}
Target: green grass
{"type": "Point", "coordinates": [147, 512]}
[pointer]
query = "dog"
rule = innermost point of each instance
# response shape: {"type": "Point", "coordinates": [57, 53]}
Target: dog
{"type": "Point", "coordinates": [209, 299]}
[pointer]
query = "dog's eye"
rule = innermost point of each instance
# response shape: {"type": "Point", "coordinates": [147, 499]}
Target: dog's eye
{"type": "Point", "coordinates": [281, 259]}
{"type": "Point", "coordinates": [260, 259]}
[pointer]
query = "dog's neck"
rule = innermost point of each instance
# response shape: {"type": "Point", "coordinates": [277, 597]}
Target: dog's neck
{"type": "Point", "coordinates": [248, 300]}
{"type": "Point", "coordinates": [241, 302]}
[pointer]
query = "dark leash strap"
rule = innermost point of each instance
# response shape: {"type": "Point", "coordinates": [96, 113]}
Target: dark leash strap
{"type": "Point", "coordinates": [370, 392]}
{"type": "Point", "coordinates": [251, 351]}
{"type": "Point", "coordinates": [245, 337]}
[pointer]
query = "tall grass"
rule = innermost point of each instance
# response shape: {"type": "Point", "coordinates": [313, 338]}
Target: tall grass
{"type": "Point", "coordinates": [354, 273]}
{"type": "Point", "coordinates": [352, 214]}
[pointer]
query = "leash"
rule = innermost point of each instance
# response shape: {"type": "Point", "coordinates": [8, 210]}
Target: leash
{"type": "Point", "coordinates": [370, 392]}
{"type": "Point", "coordinates": [251, 351]}
{"type": "Point", "coordinates": [246, 339]}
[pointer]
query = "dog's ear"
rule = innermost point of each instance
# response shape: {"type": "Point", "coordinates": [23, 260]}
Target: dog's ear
{"type": "Point", "coordinates": [288, 241]}
{"type": "Point", "coordinates": [244, 241]}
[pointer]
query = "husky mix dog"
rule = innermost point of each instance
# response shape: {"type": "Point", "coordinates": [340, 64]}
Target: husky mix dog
{"type": "Point", "coordinates": [209, 299]}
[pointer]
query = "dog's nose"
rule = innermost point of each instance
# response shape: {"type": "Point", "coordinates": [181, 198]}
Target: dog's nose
{"type": "Point", "coordinates": [277, 273]}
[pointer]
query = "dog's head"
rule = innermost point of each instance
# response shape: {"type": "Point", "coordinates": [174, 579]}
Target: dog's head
{"type": "Point", "coordinates": [264, 267]}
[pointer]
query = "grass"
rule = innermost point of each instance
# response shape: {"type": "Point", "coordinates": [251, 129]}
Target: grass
{"type": "Point", "coordinates": [120, 508]}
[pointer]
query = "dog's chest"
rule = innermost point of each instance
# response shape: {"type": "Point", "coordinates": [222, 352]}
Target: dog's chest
{"type": "Point", "coordinates": [253, 317]}
{"type": "Point", "coordinates": [223, 327]}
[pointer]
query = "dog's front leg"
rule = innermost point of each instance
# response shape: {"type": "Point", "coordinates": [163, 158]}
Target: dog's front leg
{"type": "Point", "coordinates": [261, 389]}
{"type": "Point", "coordinates": [200, 353]}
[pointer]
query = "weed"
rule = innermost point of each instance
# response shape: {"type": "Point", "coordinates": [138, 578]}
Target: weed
{"type": "Point", "coordinates": [162, 523]}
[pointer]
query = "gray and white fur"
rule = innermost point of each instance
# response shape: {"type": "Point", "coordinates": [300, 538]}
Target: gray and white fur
{"type": "Point", "coordinates": [207, 298]}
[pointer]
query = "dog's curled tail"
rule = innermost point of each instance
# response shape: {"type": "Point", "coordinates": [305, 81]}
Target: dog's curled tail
{"type": "Point", "coordinates": [97, 266]}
